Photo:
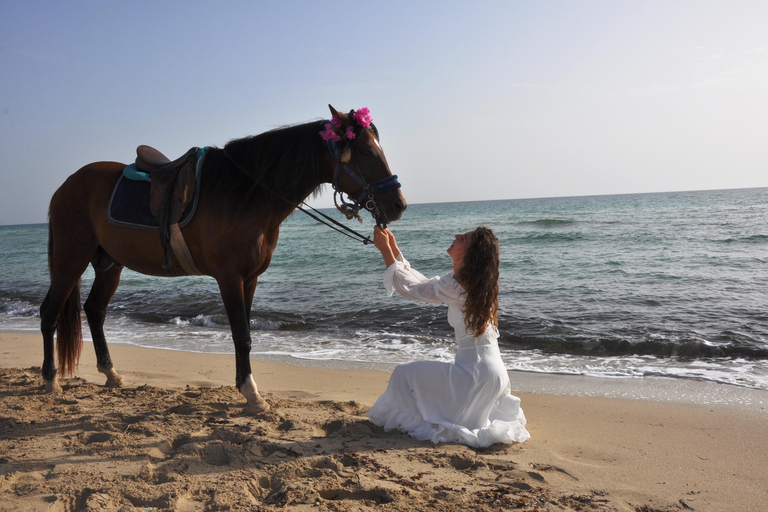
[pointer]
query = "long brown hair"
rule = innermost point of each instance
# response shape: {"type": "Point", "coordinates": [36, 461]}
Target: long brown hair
{"type": "Point", "coordinates": [479, 276]}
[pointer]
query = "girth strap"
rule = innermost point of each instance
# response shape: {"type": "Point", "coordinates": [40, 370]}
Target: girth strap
{"type": "Point", "coordinates": [181, 250]}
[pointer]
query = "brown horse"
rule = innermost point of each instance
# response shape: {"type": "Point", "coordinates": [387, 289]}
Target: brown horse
{"type": "Point", "coordinates": [247, 189]}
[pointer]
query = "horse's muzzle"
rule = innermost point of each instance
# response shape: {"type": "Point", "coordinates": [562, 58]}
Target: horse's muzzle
{"type": "Point", "coordinates": [391, 213]}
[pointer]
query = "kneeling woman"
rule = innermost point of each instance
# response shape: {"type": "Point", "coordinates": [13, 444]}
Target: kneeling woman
{"type": "Point", "coordinates": [469, 401]}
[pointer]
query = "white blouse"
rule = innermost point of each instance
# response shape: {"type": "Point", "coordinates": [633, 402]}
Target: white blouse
{"type": "Point", "coordinates": [411, 284]}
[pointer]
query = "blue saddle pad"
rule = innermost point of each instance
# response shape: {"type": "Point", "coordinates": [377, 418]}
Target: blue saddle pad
{"type": "Point", "coordinates": [129, 205]}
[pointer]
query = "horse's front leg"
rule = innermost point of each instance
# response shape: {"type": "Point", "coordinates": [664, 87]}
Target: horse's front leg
{"type": "Point", "coordinates": [236, 296]}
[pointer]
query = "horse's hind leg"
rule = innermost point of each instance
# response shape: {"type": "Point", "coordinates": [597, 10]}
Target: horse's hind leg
{"type": "Point", "coordinates": [104, 286]}
{"type": "Point", "coordinates": [60, 312]}
{"type": "Point", "coordinates": [49, 318]}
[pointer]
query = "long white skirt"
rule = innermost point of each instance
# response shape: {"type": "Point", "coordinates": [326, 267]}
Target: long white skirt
{"type": "Point", "coordinates": [467, 402]}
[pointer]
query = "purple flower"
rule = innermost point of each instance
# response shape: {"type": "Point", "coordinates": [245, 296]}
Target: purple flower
{"type": "Point", "coordinates": [335, 121]}
{"type": "Point", "coordinates": [362, 117]}
{"type": "Point", "coordinates": [350, 133]}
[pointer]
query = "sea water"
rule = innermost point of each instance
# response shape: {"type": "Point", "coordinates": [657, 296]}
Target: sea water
{"type": "Point", "coordinates": [670, 285]}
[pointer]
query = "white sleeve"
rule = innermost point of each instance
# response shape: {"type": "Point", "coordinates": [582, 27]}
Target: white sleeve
{"type": "Point", "coordinates": [411, 284]}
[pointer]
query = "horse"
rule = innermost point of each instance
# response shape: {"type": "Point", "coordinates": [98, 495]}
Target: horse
{"type": "Point", "coordinates": [247, 188]}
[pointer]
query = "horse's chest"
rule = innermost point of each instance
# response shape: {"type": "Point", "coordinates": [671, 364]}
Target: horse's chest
{"type": "Point", "coordinates": [253, 253]}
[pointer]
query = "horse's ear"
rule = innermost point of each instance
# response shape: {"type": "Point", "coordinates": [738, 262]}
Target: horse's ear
{"type": "Point", "coordinates": [342, 117]}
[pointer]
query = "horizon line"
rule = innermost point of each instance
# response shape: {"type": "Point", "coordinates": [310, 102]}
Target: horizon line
{"type": "Point", "coordinates": [516, 199]}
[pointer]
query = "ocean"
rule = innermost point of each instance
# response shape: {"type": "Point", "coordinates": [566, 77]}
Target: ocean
{"type": "Point", "coordinates": [625, 286]}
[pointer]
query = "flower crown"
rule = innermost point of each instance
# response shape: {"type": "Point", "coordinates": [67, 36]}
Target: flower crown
{"type": "Point", "coordinates": [334, 131]}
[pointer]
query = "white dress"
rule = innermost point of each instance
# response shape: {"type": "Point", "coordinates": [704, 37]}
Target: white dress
{"type": "Point", "coordinates": [467, 402]}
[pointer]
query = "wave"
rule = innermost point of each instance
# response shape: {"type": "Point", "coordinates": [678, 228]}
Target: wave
{"type": "Point", "coordinates": [752, 239]}
{"type": "Point", "coordinates": [549, 237]}
{"type": "Point", "coordinates": [547, 223]}
{"type": "Point", "coordinates": [623, 368]}
{"type": "Point", "coordinates": [667, 346]}
{"type": "Point", "coordinates": [274, 322]}
{"type": "Point", "coordinates": [19, 308]}
{"type": "Point", "coordinates": [428, 322]}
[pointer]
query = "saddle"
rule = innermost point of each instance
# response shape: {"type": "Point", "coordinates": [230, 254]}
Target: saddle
{"type": "Point", "coordinates": [172, 189]}
{"type": "Point", "coordinates": [172, 182]}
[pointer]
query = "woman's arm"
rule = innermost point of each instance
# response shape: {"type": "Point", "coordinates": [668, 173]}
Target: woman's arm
{"type": "Point", "coordinates": [407, 281]}
{"type": "Point", "coordinates": [393, 243]}
{"type": "Point", "coordinates": [384, 241]}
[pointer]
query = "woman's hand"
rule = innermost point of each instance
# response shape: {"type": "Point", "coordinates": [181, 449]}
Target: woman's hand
{"type": "Point", "coordinates": [381, 238]}
{"type": "Point", "coordinates": [384, 241]}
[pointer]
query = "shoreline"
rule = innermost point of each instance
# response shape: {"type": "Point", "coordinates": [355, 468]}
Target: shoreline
{"type": "Point", "coordinates": [663, 389]}
{"type": "Point", "coordinates": [614, 453]}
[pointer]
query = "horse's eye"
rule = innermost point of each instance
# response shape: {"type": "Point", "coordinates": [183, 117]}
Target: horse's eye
{"type": "Point", "coordinates": [366, 152]}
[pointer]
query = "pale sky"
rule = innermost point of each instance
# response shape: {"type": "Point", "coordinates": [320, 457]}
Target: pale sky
{"type": "Point", "coordinates": [473, 100]}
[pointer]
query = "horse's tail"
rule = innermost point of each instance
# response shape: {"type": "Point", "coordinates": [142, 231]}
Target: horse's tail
{"type": "Point", "coordinates": [69, 333]}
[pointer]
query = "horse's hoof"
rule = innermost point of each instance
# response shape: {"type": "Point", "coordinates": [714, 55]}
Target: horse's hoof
{"type": "Point", "coordinates": [52, 387]}
{"type": "Point", "coordinates": [114, 380]}
{"type": "Point", "coordinates": [256, 407]}
{"type": "Point", "coordinates": [255, 404]}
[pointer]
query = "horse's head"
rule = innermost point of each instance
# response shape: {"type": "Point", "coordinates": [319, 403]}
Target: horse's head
{"type": "Point", "coordinates": [361, 171]}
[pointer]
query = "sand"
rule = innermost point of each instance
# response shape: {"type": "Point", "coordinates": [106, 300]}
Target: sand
{"type": "Point", "coordinates": [175, 438]}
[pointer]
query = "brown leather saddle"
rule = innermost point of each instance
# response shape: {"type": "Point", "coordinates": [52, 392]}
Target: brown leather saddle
{"type": "Point", "coordinates": [173, 183]}
{"type": "Point", "coordinates": [172, 189]}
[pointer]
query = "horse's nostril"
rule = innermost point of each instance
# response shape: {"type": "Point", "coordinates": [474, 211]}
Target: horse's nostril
{"type": "Point", "coordinates": [400, 206]}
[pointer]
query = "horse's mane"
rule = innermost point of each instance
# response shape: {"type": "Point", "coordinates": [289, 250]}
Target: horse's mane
{"type": "Point", "coordinates": [282, 163]}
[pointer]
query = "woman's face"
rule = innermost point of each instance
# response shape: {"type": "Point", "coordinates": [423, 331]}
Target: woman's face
{"type": "Point", "coordinates": [459, 247]}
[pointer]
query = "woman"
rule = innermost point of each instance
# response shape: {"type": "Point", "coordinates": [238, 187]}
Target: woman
{"type": "Point", "coordinates": [468, 401]}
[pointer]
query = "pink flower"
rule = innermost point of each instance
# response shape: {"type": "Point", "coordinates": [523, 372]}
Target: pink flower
{"type": "Point", "coordinates": [362, 117]}
{"type": "Point", "coordinates": [334, 130]}
{"type": "Point", "coordinates": [329, 134]}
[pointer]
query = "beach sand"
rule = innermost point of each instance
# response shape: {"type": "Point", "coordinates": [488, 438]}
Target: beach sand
{"type": "Point", "coordinates": [175, 438]}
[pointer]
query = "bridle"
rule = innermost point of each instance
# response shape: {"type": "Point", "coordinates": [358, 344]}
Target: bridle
{"type": "Point", "coordinates": [370, 189]}
{"type": "Point", "coordinates": [350, 210]}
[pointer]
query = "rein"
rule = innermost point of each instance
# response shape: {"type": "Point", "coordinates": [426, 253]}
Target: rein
{"type": "Point", "coordinates": [346, 230]}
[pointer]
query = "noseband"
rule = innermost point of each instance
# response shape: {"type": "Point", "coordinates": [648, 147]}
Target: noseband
{"type": "Point", "coordinates": [370, 189]}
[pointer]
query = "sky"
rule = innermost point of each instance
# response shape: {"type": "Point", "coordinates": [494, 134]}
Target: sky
{"type": "Point", "coordinates": [473, 100]}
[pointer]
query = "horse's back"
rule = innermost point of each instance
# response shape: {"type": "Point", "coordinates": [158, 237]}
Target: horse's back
{"type": "Point", "coordinates": [89, 185]}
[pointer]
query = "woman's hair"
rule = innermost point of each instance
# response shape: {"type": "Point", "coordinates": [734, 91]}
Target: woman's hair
{"type": "Point", "coordinates": [479, 276]}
